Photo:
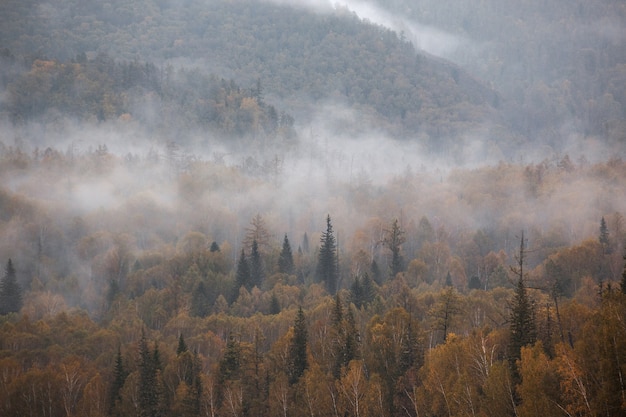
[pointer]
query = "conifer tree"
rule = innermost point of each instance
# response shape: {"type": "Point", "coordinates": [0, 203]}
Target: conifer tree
{"type": "Point", "coordinates": [119, 378]}
{"type": "Point", "coordinates": [214, 247]}
{"type": "Point", "coordinates": [604, 237]}
{"type": "Point", "coordinates": [149, 387]}
{"type": "Point", "coordinates": [297, 350]}
{"type": "Point", "coordinates": [257, 274]}
{"type": "Point", "coordinates": [345, 339]}
{"type": "Point", "coordinates": [242, 277]}
{"type": "Point", "coordinates": [523, 330]}
{"type": "Point", "coordinates": [393, 241]}
{"type": "Point", "coordinates": [327, 271]}
{"type": "Point", "coordinates": [182, 346]}
{"type": "Point", "coordinates": [285, 260]}
{"type": "Point", "coordinates": [200, 301]}
{"type": "Point", "coordinates": [274, 304]}
{"type": "Point", "coordinates": [10, 291]}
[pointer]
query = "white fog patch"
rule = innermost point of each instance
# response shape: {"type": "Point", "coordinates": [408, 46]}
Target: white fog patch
{"type": "Point", "coordinates": [430, 39]}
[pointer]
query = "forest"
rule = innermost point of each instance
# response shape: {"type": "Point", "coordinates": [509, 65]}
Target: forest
{"type": "Point", "coordinates": [279, 208]}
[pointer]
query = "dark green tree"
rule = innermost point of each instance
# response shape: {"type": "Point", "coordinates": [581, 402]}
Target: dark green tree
{"type": "Point", "coordinates": [200, 301]}
{"type": "Point", "coordinates": [257, 274]}
{"type": "Point", "coordinates": [10, 291]}
{"type": "Point", "coordinates": [150, 392]}
{"type": "Point", "coordinates": [285, 260]}
{"type": "Point", "coordinates": [362, 291]}
{"type": "Point", "coordinates": [242, 277]}
{"type": "Point", "coordinates": [327, 270]}
{"type": "Point", "coordinates": [523, 329]}
{"type": "Point", "coordinates": [214, 247]}
{"type": "Point", "coordinates": [119, 378]}
{"type": "Point", "coordinates": [297, 361]}
{"type": "Point", "coordinates": [182, 346]}
{"type": "Point", "coordinates": [394, 238]}
{"type": "Point", "coordinates": [375, 270]}
{"type": "Point", "coordinates": [274, 304]}
{"type": "Point", "coordinates": [604, 237]}
{"type": "Point", "coordinates": [345, 338]}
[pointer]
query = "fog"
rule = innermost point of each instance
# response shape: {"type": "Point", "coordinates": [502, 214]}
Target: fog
{"type": "Point", "coordinates": [434, 41]}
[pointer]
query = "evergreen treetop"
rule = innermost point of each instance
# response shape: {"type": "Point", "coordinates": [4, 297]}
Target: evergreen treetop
{"type": "Point", "coordinates": [10, 291]}
{"type": "Point", "coordinates": [327, 270]}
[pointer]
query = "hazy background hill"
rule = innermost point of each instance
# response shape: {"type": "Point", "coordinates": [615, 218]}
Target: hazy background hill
{"type": "Point", "coordinates": [523, 73]}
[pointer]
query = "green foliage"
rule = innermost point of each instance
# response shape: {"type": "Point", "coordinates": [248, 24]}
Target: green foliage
{"type": "Point", "coordinates": [297, 360]}
{"type": "Point", "coordinates": [327, 268]}
{"type": "Point", "coordinates": [362, 291]}
{"type": "Point", "coordinates": [257, 273]}
{"type": "Point", "coordinates": [10, 291]}
{"type": "Point", "coordinates": [394, 239]}
{"type": "Point", "coordinates": [285, 259]}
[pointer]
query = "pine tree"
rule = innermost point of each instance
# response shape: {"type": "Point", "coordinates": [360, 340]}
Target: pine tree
{"type": "Point", "coordinates": [200, 301]}
{"type": "Point", "coordinates": [327, 260]}
{"type": "Point", "coordinates": [214, 247]}
{"type": "Point", "coordinates": [242, 278]}
{"type": "Point", "coordinates": [119, 378]}
{"type": "Point", "coordinates": [257, 274]}
{"type": "Point", "coordinates": [522, 321]}
{"type": "Point", "coordinates": [285, 260]}
{"type": "Point", "coordinates": [182, 346]}
{"type": "Point", "coordinates": [297, 349]}
{"type": "Point", "coordinates": [393, 241]}
{"type": "Point", "coordinates": [274, 304]}
{"type": "Point", "coordinates": [149, 387]}
{"type": "Point", "coordinates": [345, 338]}
{"type": "Point", "coordinates": [604, 237]}
{"type": "Point", "coordinates": [375, 270]}
{"type": "Point", "coordinates": [10, 291]}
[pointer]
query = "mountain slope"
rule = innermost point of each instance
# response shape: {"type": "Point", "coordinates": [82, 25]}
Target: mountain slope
{"type": "Point", "coordinates": [302, 59]}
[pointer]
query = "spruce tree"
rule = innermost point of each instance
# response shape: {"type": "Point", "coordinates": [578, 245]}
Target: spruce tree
{"type": "Point", "coordinates": [119, 378]}
{"type": "Point", "coordinates": [214, 247]}
{"type": "Point", "coordinates": [182, 346]}
{"type": "Point", "coordinates": [522, 320]}
{"type": "Point", "coordinates": [285, 260]}
{"type": "Point", "coordinates": [274, 304]}
{"type": "Point", "coordinates": [242, 277]}
{"type": "Point", "coordinates": [393, 241]}
{"type": "Point", "coordinates": [10, 291]}
{"type": "Point", "coordinates": [297, 349]}
{"type": "Point", "coordinates": [604, 237]}
{"type": "Point", "coordinates": [200, 301]}
{"type": "Point", "coordinates": [257, 274]}
{"type": "Point", "coordinates": [149, 392]}
{"type": "Point", "coordinates": [327, 260]}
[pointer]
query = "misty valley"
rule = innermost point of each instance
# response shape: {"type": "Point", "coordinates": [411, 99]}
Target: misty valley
{"type": "Point", "coordinates": [282, 208]}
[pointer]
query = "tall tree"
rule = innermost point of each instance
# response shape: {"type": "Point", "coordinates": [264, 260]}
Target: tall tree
{"type": "Point", "coordinates": [119, 378]}
{"type": "Point", "coordinates": [149, 385]}
{"type": "Point", "coordinates": [285, 260]}
{"type": "Point", "coordinates": [257, 232]}
{"type": "Point", "coordinates": [604, 237]}
{"type": "Point", "coordinates": [327, 271]}
{"type": "Point", "coordinates": [256, 266]}
{"type": "Point", "coordinates": [523, 331]}
{"type": "Point", "coordinates": [297, 361]}
{"type": "Point", "coordinates": [10, 291]}
{"type": "Point", "coordinates": [242, 277]}
{"type": "Point", "coordinates": [394, 238]}
{"type": "Point", "coordinates": [623, 281]}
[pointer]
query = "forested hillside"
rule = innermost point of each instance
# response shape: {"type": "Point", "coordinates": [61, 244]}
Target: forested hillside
{"type": "Point", "coordinates": [254, 208]}
{"type": "Point", "coordinates": [171, 285]}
